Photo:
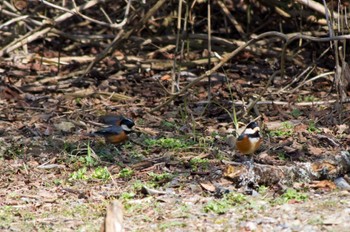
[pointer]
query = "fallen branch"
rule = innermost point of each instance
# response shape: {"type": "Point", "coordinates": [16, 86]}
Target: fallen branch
{"type": "Point", "coordinates": [313, 103]}
{"type": "Point", "coordinates": [327, 168]}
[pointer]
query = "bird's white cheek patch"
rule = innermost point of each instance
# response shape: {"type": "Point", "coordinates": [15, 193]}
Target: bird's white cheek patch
{"type": "Point", "coordinates": [249, 131]}
{"type": "Point", "coordinates": [125, 127]}
{"type": "Point", "coordinates": [254, 140]}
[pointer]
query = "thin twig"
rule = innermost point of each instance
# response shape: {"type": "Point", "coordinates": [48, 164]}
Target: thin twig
{"type": "Point", "coordinates": [219, 65]}
{"type": "Point", "coordinates": [174, 77]}
{"type": "Point", "coordinates": [232, 19]}
{"type": "Point", "coordinates": [253, 103]}
{"type": "Point", "coordinates": [76, 11]}
{"type": "Point", "coordinates": [122, 35]}
{"type": "Point", "coordinates": [209, 48]}
{"type": "Point", "coordinates": [306, 37]}
{"type": "Point", "coordinates": [42, 30]}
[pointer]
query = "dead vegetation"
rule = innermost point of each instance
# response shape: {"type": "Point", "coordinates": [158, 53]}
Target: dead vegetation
{"type": "Point", "coordinates": [190, 82]}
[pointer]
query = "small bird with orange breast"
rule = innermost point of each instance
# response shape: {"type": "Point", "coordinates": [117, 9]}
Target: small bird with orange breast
{"type": "Point", "coordinates": [118, 130]}
{"type": "Point", "coordinates": [249, 141]}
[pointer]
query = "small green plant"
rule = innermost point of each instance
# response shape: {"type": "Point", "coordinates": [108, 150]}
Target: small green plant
{"type": "Point", "coordinates": [137, 186]}
{"type": "Point", "coordinates": [235, 198]}
{"type": "Point", "coordinates": [7, 214]}
{"type": "Point", "coordinates": [223, 205]}
{"type": "Point", "coordinates": [286, 130]}
{"type": "Point", "coordinates": [79, 175]}
{"type": "Point", "coordinates": [318, 220]}
{"type": "Point", "coordinates": [162, 177]}
{"type": "Point", "coordinates": [167, 225]}
{"type": "Point", "coordinates": [88, 159]}
{"type": "Point", "coordinates": [168, 143]}
{"type": "Point", "coordinates": [127, 196]}
{"type": "Point", "coordinates": [78, 100]}
{"type": "Point", "coordinates": [217, 206]}
{"type": "Point", "coordinates": [101, 173]}
{"type": "Point", "coordinates": [291, 194]}
{"type": "Point", "coordinates": [214, 134]}
{"type": "Point", "coordinates": [281, 156]}
{"type": "Point", "coordinates": [135, 155]}
{"type": "Point", "coordinates": [126, 173]}
{"type": "Point", "coordinates": [308, 98]}
{"type": "Point", "coordinates": [12, 149]}
{"type": "Point", "coordinates": [128, 146]}
{"type": "Point", "coordinates": [78, 156]}
{"type": "Point", "coordinates": [199, 163]}
{"type": "Point", "coordinates": [206, 141]}
{"type": "Point", "coordinates": [57, 182]}
{"type": "Point", "coordinates": [296, 113]}
{"type": "Point", "coordinates": [312, 127]}
{"type": "Point", "coordinates": [140, 121]}
{"type": "Point", "coordinates": [262, 189]}
{"type": "Point", "coordinates": [168, 125]}
{"type": "Point", "coordinates": [185, 208]}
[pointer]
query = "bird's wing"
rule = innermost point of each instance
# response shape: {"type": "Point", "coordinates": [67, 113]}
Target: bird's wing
{"type": "Point", "coordinates": [111, 119]}
{"type": "Point", "coordinates": [109, 130]}
{"type": "Point", "coordinates": [241, 137]}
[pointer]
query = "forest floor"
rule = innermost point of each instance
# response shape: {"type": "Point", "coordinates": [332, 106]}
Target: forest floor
{"type": "Point", "coordinates": [175, 173]}
{"type": "Point", "coordinates": [179, 170]}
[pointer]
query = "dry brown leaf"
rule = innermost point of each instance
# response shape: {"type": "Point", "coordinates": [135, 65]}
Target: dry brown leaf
{"type": "Point", "coordinates": [324, 184]}
{"type": "Point", "coordinates": [65, 126]}
{"type": "Point", "coordinates": [315, 150]}
{"type": "Point", "coordinates": [342, 128]}
{"type": "Point", "coordinates": [300, 128]}
{"type": "Point", "coordinates": [233, 172]}
{"type": "Point", "coordinates": [146, 130]}
{"type": "Point", "coordinates": [324, 166]}
{"type": "Point", "coordinates": [166, 77]}
{"type": "Point", "coordinates": [208, 186]}
{"type": "Point", "coordinates": [326, 130]}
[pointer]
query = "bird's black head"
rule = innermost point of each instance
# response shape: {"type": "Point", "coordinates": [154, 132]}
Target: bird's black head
{"type": "Point", "coordinates": [252, 125]}
{"type": "Point", "coordinates": [127, 124]}
{"type": "Point", "coordinates": [252, 130]}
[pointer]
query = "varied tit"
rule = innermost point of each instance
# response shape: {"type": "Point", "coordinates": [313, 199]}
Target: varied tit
{"type": "Point", "coordinates": [249, 141]}
{"type": "Point", "coordinates": [116, 134]}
